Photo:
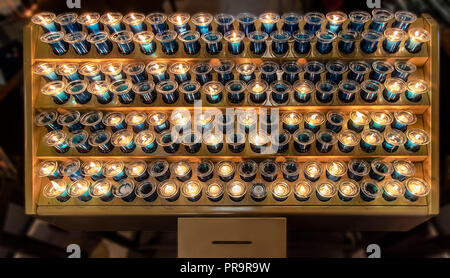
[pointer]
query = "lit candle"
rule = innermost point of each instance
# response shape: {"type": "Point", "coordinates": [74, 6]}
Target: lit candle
{"type": "Point", "coordinates": [180, 71]}
{"type": "Point", "coordinates": [80, 142]}
{"type": "Point", "coordinates": [78, 89]}
{"type": "Point", "coordinates": [393, 189]}
{"type": "Point", "coordinates": [394, 87]}
{"type": "Point", "coordinates": [124, 41]}
{"type": "Point", "coordinates": [205, 170]}
{"type": "Point", "coordinates": [417, 37]}
{"type": "Point", "coordinates": [92, 71]}
{"type": "Point", "coordinates": [326, 139]}
{"type": "Point", "coordinates": [113, 70]}
{"type": "Point", "coordinates": [47, 71]}
{"type": "Point", "coordinates": [101, 140]}
{"type": "Point", "coordinates": [236, 91]}
{"type": "Point", "coordinates": [137, 170]}
{"type": "Point", "coordinates": [78, 42]}
{"type": "Point", "coordinates": [169, 141]}
{"type": "Point", "coordinates": [403, 69]}
{"type": "Point", "coordinates": [246, 22]}
{"type": "Point", "coordinates": [146, 91]}
{"type": "Point", "coordinates": [124, 140]}
{"type": "Point", "coordinates": [114, 170]}
{"type": "Point", "coordinates": [93, 169]}
{"type": "Point", "coordinates": [80, 189]}
{"type": "Point", "coordinates": [102, 190]}
{"type": "Point", "coordinates": [224, 22]}
{"type": "Point", "coordinates": [123, 88]}
{"type": "Point", "coordinates": [226, 170]}
{"type": "Point", "coordinates": [202, 22]}
{"type": "Point", "coordinates": [416, 188]}
{"type": "Point", "coordinates": [56, 42]}
{"type": "Point", "coordinates": [145, 40]}
{"type": "Point", "coordinates": [58, 140]}
{"type": "Point", "coordinates": [280, 191]}
{"type": "Point", "coordinates": [159, 169]}
{"type": "Point", "coordinates": [56, 89]}
{"type": "Point", "coordinates": [115, 120]}
{"type": "Point", "coordinates": [280, 91]}
{"type": "Point", "coordinates": [137, 120]}
{"type": "Point", "coordinates": [214, 142]}
{"type": "Point", "coordinates": [224, 71]}
{"type": "Point", "coordinates": [259, 141]}
{"type": "Point", "coordinates": [56, 190]}
{"type": "Point", "coordinates": [159, 121]}
{"type": "Point", "coordinates": [191, 43]}
{"type": "Point", "coordinates": [91, 21]}
{"type": "Point", "coordinates": [347, 140]}
{"type": "Point", "coordinates": [402, 170]}
{"type": "Point", "coordinates": [290, 170]}
{"type": "Point", "coordinates": [236, 190]}
{"type": "Point", "coordinates": [247, 120]}
{"type": "Point", "coordinates": [415, 89]}
{"type": "Point", "coordinates": [136, 71]}
{"type": "Point", "coordinates": [380, 19]}
{"type": "Point", "coordinates": [136, 22]}
{"type": "Point", "coordinates": [147, 141]}
{"type": "Point", "coordinates": [192, 141]}
{"type": "Point", "coordinates": [213, 91]}
{"type": "Point", "coordinates": [69, 22]}
{"type": "Point", "coordinates": [313, 70]}
{"type": "Point", "coordinates": [124, 189]}
{"type": "Point", "coordinates": [370, 40]}
{"type": "Point", "coordinates": [236, 141]}
{"type": "Point", "coordinates": [325, 91]}
{"type": "Point", "coordinates": [303, 90]}
{"type": "Point", "coordinates": [69, 71]}
{"type": "Point", "coordinates": [214, 191]}
{"type": "Point", "coordinates": [358, 169]}
{"type": "Point", "coordinates": [258, 40]}
{"type": "Point", "coordinates": [235, 41]}
{"type": "Point", "coordinates": [313, 121]}
{"type": "Point", "coordinates": [291, 71]}
{"type": "Point", "coordinates": [370, 190]}
{"type": "Point", "coordinates": [392, 140]}
{"type": "Point", "coordinates": [290, 22]}
{"type": "Point", "coordinates": [291, 121]}
{"type": "Point", "coordinates": [158, 22]}
{"type": "Point", "coordinates": [346, 41]}
{"type": "Point", "coordinates": [325, 40]}
{"type": "Point", "coordinates": [313, 21]}
{"type": "Point", "coordinates": [358, 119]}
{"type": "Point", "coordinates": [312, 170]}
{"type": "Point", "coordinates": [335, 21]}
{"type": "Point", "coordinates": [415, 139]}
{"type": "Point", "coordinates": [335, 169]}
{"type": "Point", "coordinates": [303, 190]}
{"type": "Point", "coordinates": [258, 91]}
{"type": "Point", "coordinates": [380, 169]}
{"type": "Point", "coordinates": [182, 170]}
{"type": "Point", "coordinates": [280, 42]}
{"type": "Point", "coordinates": [180, 22]}
{"type": "Point", "coordinates": [169, 190]}
{"type": "Point", "coordinates": [357, 20]}
{"type": "Point", "coordinates": [246, 71]}
{"type": "Point", "coordinates": [146, 190]}
{"type": "Point", "coordinates": [71, 120]}
{"type": "Point", "coordinates": [347, 190]}
{"type": "Point", "coordinates": [380, 70]}
{"type": "Point", "coordinates": [49, 169]}
{"type": "Point", "coordinates": [181, 120]}
{"type": "Point", "coordinates": [370, 89]}
{"type": "Point", "coordinates": [258, 192]}
{"type": "Point", "coordinates": [335, 120]}
{"type": "Point", "coordinates": [379, 120]}
{"type": "Point", "coordinates": [202, 71]}
{"type": "Point", "coordinates": [47, 21]}
{"type": "Point", "coordinates": [113, 21]}
{"type": "Point", "coordinates": [204, 121]}
{"type": "Point", "coordinates": [191, 91]}
{"type": "Point", "coordinates": [403, 19]}
{"type": "Point", "coordinates": [393, 39]}
{"type": "Point", "coordinates": [247, 170]}
{"type": "Point", "coordinates": [370, 139]}
{"type": "Point", "coordinates": [192, 190]}
{"type": "Point", "coordinates": [49, 119]}
{"type": "Point", "coordinates": [358, 71]}
{"type": "Point", "coordinates": [158, 71]}
{"type": "Point", "coordinates": [325, 191]}
{"type": "Point", "coordinates": [269, 22]}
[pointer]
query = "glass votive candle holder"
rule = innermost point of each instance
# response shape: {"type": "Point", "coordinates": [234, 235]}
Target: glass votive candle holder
{"type": "Point", "coordinates": [169, 190]}
{"type": "Point", "coordinates": [91, 71]}
{"type": "Point", "coordinates": [48, 71]}
{"type": "Point", "coordinates": [258, 192]}
{"type": "Point", "coordinates": [192, 190]}
{"type": "Point", "coordinates": [269, 122]}
{"type": "Point", "coordinates": [93, 169]}
{"type": "Point", "coordinates": [380, 19]}
{"type": "Point", "coordinates": [146, 91]}
{"type": "Point", "coordinates": [124, 41]}
{"type": "Point", "coordinates": [280, 191]}
{"type": "Point", "coordinates": [403, 19]}
{"type": "Point", "coordinates": [78, 89]}
{"type": "Point", "coordinates": [393, 139]}
{"type": "Point", "coordinates": [214, 191]}
{"type": "Point", "coordinates": [290, 170]}
{"type": "Point", "coordinates": [313, 121]}
{"type": "Point", "coordinates": [312, 170]}
{"type": "Point", "coordinates": [213, 42]}
{"type": "Point", "coordinates": [370, 190]}
{"type": "Point", "coordinates": [403, 169]}
{"type": "Point", "coordinates": [158, 71]}
{"type": "Point", "coordinates": [160, 170]}
{"type": "Point", "coordinates": [180, 22]}
{"type": "Point", "coordinates": [370, 139]}
{"type": "Point", "coordinates": [114, 70]}
{"type": "Point", "coordinates": [415, 138]}
{"type": "Point", "coordinates": [325, 40]}
{"type": "Point", "coordinates": [325, 140]}
{"type": "Point", "coordinates": [180, 71]}
{"type": "Point", "coordinates": [48, 119]}
{"type": "Point", "coordinates": [258, 91]}
{"type": "Point", "coordinates": [370, 89]}
{"type": "Point", "coordinates": [146, 190]}
{"type": "Point", "coordinates": [158, 22]}
{"type": "Point", "coordinates": [335, 120]}
{"type": "Point", "coordinates": [393, 88]}
{"type": "Point", "coordinates": [202, 72]}
{"type": "Point", "coordinates": [347, 140]}
{"type": "Point", "coordinates": [56, 42]}
{"type": "Point", "coordinates": [303, 140]}
{"type": "Point", "coordinates": [403, 119]}
{"type": "Point", "coordinates": [204, 122]}
{"type": "Point", "coordinates": [135, 21]}
{"type": "Point", "coordinates": [71, 120]}
{"type": "Point", "coordinates": [181, 170]}
{"type": "Point", "coordinates": [138, 170]}
{"type": "Point", "coordinates": [302, 41]}
{"type": "Point", "coordinates": [280, 91]}
{"type": "Point", "coordinates": [335, 21]}
{"type": "Point", "coordinates": [102, 190]}
{"type": "Point", "coordinates": [358, 169]}
{"type": "Point", "coordinates": [268, 71]}
{"type": "Point", "coordinates": [313, 70]}
{"type": "Point", "coordinates": [236, 91]}
{"type": "Point", "coordinates": [224, 71]}
{"type": "Point", "coordinates": [202, 22]}
{"type": "Point", "coordinates": [225, 122]}
{"type": "Point", "coordinates": [137, 120]}
{"type": "Point", "coordinates": [380, 119]}
{"type": "Point", "coordinates": [236, 190]}
{"type": "Point", "coordinates": [280, 42]}
{"type": "Point", "coordinates": [335, 169]}
{"type": "Point", "coordinates": [180, 119]}
{"type": "Point", "coordinates": [69, 22]}
{"type": "Point", "coordinates": [168, 89]}
{"type": "Point", "coordinates": [190, 91]}
{"type": "Point", "coordinates": [190, 40]}
{"type": "Point", "coordinates": [358, 20]}
{"type": "Point", "coordinates": [102, 141]}
{"type": "Point", "coordinates": [235, 141]}
{"type": "Point", "coordinates": [269, 22]}
{"type": "Point", "coordinates": [235, 41]}
{"type": "Point", "coordinates": [115, 120]}
{"type": "Point", "coordinates": [347, 40]}
{"type": "Point", "coordinates": [113, 21]}
{"type": "Point", "coordinates": [146, 42]}
{"type": "Point", "coordinates": [347, 190]}
{"type": "Point", "coordinates": [69, 71]}
{"type": "Point", "coordinates": [325, 91]}
{"type": "Point", "coordinates": [290, 22]}
{"type": "Point", "coordinates": [258, 40]}
{"type": "Point", "coordinates": [303, 190]}
{"type": "Point", "coordinates": [101, 42]}
{"type": "Point", "coordinates": [291, 71]}
{"type": "Point", "coordinates": [224, 22]}
{"type": "Point", "coordinates": [147, 141]}
{"type": "Point", "coordinates": [325, 191]}
{"type": "Point", "coordinates": [167, 39]}
{"type": "Point", "coordinates": [49, 169]}
{"type": "Point", "coordinates": [205, 170]}
{"type": "Point", "coordinates": [259, 141]}
{"type": "Point", "coordinates": [91, 21]}
{"type": "Point", "coordinates": [226, 170]}
{"type": "Point", "coordinates": [213, 142]}
{"type": "Point", "coordinates": [247, 120]}
{"type": "Point", "coordinates": [415, 89]}
{"type": "Point", "coordinates": [358, 71]}
{"type": "Point", "coordinates": [303, 90]}
{"type": "Point", "coordinates": [47, 21]}
{"type": "Point", "coordinates": [159, 121]}
{"type": "Point", "coordinates": [392, 189]}
{"type": "Point", "coordinates": [56, 189]}
{"type": "Point", "coordinates": [246, 22]}
{"type": "Point", "coordinates": [393, 37]}
{"type": "Point", "coordinates": [125, 190]}
{"type": "Point", "coordinates": [370, 40]}
{"type": "Point", "coordinates": [291, 121]}
{"type": "Point", "coordinates": [115, 170]}
{"type": "Point", "coordinates": [80, 189]}
{"type": "Point", "coordinates": [247, 170]}
{"type": "Point", "coordinates": [124, 90]}
{"type": "Point", "coordinates": [417, 37]}
{"type": "Point", "coordinates": [72, 170]}
{"type": "Point", "coordinates": [380, 70]}
{"type": "Point", "coordinates": [169, 141]}
{"type": "Point", "coordinates": [313, 21]}
{"type": "Point", "coordinates": [348, 90]}
{"type": "Point", "coordinates": [335, 71]}
{"type": "Point", "coordinates": [80, 142]}
{"type": "Point", "coordinates": [124, 140]}
{"type": "Point", "coordinates": [246, 71]}
{"type": "Point", "coordinates": [380, 169]}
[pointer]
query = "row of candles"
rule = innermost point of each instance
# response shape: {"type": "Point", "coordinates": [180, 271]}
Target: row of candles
{"type": "Point", "coordinates": [159, 178]}
{"type": "Point", "coordinates": [368, 130]}
{"type": "Point", "coordinates": [378, 82]}
{"type": "Point", "coordinates": [138, 33]}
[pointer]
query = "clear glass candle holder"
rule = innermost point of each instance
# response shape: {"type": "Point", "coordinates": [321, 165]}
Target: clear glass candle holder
{"type": "Point", "coordinates": [402, 170]}
{"type": "Point", "coordinates": [169, 44]}
{"type": "Point", "coordinates": [325, 140]}
{"type": "Point", "coordinates": [380, 169]}
{"type": "Point", "coordinates": [258, 91]}
{"type": "Point", "coordinates": [48, 119]}
{"type": "Point", "coordinates": [403, 69]}
{"type": "Point", "coordinates": [313, 21]}
{"type": "Point", "coordinates": [246, 71]}
{"type": "Point", "coordinates": [290, 170]}
{"type": "Point", "coordinates": [403, 119]}
{"type": "Point", "coordinates": [236, 190]}
{"type": "Point", "coordinates": [415, 89]}
{"type": "Point", "coordinates": [348, 90]}
{"type": "Point", "coordinates": [247, 170]}
{"type": "Point", "coordinates": [392, 190]}
{"type": "Point", "coordinates": [280, 42]}
{"type": "Point", "coordinates": [224, 22]}
{"type": "Point", "coordinates": [214, 191]}
{"type": "Point", "coordinates": [158, 22]}
{"type": "Point", "coordinates": [135, 21]}
{"type": "Point", "coordinates": [335, 71]}
{"type": "Point", "coordinates": [124, 41]}
{"type": "Point", "coordinates": [280, 91]}
{"type": "Point", "coordinates": [347, 40]}
{"type": "Point", "coordinates": [56, 42]}
{"type": "Point", "coordinates": [192, 142]}
{"type": "Point", "coordinates": [347, 140]}
{"type": "Point", "coordinates": [325, 40]}
{"type": "Point", "coordinates": [47, 21]}
{"type": "Point", "coordinates": [102, 190]}
{"type": "Point", "coordinates": [370, 90]}
{"type": "Point", "coordinates": [202, 22]}
{"type": "Point", "coordinates": [101, 42]}
{"type": "Point", "coordinates": [69, 71]}
{"type": "Point", "coordinates": [268, 71]}
{"type": "Point", "coordinates": [358, 169]}
{"type": "Point", "coordinates": [417, 37]}
{"type": "Point", "coordinates": [78, 89]}
{"type": "Point", "coordinates": [280, 191]}
{"type": "Point", "coordinates": [125, 190]}
{"type": "Point", "coordinates": [202, 72]}
{"type": "Point", "coordinates": [213, 42]}
{"type": "Point", "coordinates": [57, 139]}
{"type": "Point", "coordinates": [123, 89]}
{"type": "Point", "coordinates": [325, 90]}
{"type": "Point", "coordinates": [115, 120]}
{"type": "Point", "coordinates": [269, 22]}
{"type": "Point", "coordinates": [160, 170]}
{"type": "Point", "coordinates": [291, 121]}
{"type": "Point", "coordinates": [313, 71]}
{"type": "Point", "coordinates": [71, 120]}
{"type": "Point", "coordinates": [393, 88]}
{"type": "Point", "coordinates": [47, 70]}
{"type": "Point", "coordinates": [269, 122]}
{"type": "Point", "coordinates": [291, 71]}
{"type": "Point", "coordinates": [190, 40]}
{"type": "Point", "coordinates": [236, 91]}
{"type": "Point", "coordinates": [403, 19]}
{"type": "Point", "coordinates": [236, 141]}
{"type": "Point", "coordinates": [80, 189]}
{"type": "Point", "coordinates": [91, 71]}
{"type": "Point", "coordinates": [180, 22]}
{"type": "Point", "coordinates": [113, 21]}
{"type": "Point", "coordinates": [69, 22]}
{"type": "Point", "coordinates": [303, 90]}
{"type": "Point", "coordinates": [235, 41]}
{"type": "Point", "coordinates": [225, 122]}
{"type": "Point", "coordinates": [91, 21]}
{"type": "Point", "coordinates": [347, 190]}
{"type": "Point", "coordinates": [137, 170]}
{"type": "Point", "coordinates": [49, 169]}
{"type": "Point", "coordinates": [204, 122]}
{"type": "Point", "coordinates": [380, 70]}
{"type": "Point", "coordinates": [191, 91]}
{"type": "Point", "coordinates": [159, 121]}
{"type": "Point", "coordinates": [169, 141]}
{"type": "Point", "coordinates": [226, 170]}
{"type": "Point", "coordinates": [370, 40]}
{"type": "Point", "coordinates": [303, 140]}
{"type": "Point", "coordinates": [114, 70]}
{"type": "Point", "coordinates": [146, 139]}
{"type": "Point", "coordinates": [280, 141]}
{"type": "Point", "coordinates": [325, 191]}
{"type": "Point", "coordinates": [146, 91]}
{"type": "Point", "coordinates": [415, 138]}
{"type": "Point", "coordinates": [124, 140]}
{"type": "Point", "coordinates": [158, 71]}
{"type": "Point", "coordinates": [379, 120]}
{"type": "Point", "coordinates": [335, 121]}
{"type": "Point", "coordinates": [247, 121]}
{"type": "Point", "coordinates": [192, 190]}
{"type": "Point", "coordinates": [137, 120]}
{"type": "Point", "coordinates": [393, 37]}
{"type": "Point", "coordinates": [302, 41]}
{"type": "Point", "coordinates": [168, 89]}
{"type": "Point", "coordinates": [180, 119]}
{"type": "Point", "coordinates": [259, 141]}
{"type": "Point", "coordinates": [380, 19]}
{"type": "Point", "coordinates": [93, 169]}
{"type": "Point", "coordinates": [313, 121]}
{"type": "Point", "coordinates": [370, 190]}
{"type": "Point", "coordinates": [180, 71]}
{"type": "Point", "coordinates": [101, 140]}
{"type": "Point", "coordinates": [335, 21]}
{"type": "Point", "coordinates": [358, 70]}
{"type": "Point", "coordinates": [246, 22]}
{"type": "Point", "coordinates": [258, 192]}
{"type": "Point", "coordinates": [357, 20]}
{"type": "Point", "coordinates": [80, 142]}
{"type": "Point", "coordinates": [136, 71]}
{"type": "Point", "coordinates": [393, 139]}
{"type": "Point", "coordinates": [181, 170]}
{"type": "Point", "coordinates": [72, 170]}
{"type": "Point", "coordinates": [213, 142]}
{"type": "Point", "coordinates": [56, 89]}
{"type": "Point", "coordinates": [169, 190]}
{"type": "Point", "coordinates": [224, 71]}
{"type": "Point", "coordinates": [146, 42]}
{"type": "Point", "coordinates": [205, 170]}
{"type": "Point", "coordinates": [303, 190]}
{"type": "Point", "coordinates": [146, 190]}
{"type": "Point", "coordinates": [312, 170]}
{"type": "Point", "coordinates": [370, 140]}
{"type": "Point", "coordinates": [335, 169]}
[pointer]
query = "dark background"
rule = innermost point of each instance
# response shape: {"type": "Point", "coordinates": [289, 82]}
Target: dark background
{"type": "Point", "coordinates": [23, 236]}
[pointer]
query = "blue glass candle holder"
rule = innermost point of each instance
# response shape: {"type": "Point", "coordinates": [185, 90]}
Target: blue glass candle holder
{"type": "Point", "coordinates": [247, 120]}
{"type": "Point", "coordinates": [370, 140]}
{"type": "Point", "coordinates": [48, 71]}
{"type": "Point", "coordinates": [137, 170]}
{"type": "Point", "coordinates": [393, 37]}
{"type": "Point", "coordinates": [225, 170]}
{"type": "Point", "coordinates": [417, 37]}
{"type": "Point", "coordinates": [258, 91]}
{"type": "Point", "coordinates": [100, 89]}
{"type": "Point", "coordinates": [213, 91]}
{"type": "Point", "coordinates": [268, 71]}
{"type": "Point", "coordinates": [113, 21]}
{"type": "Point", "coordinates": [56, 41]}
{"type": "Point", "coordinates": [202, 72]}
{"type": "Point", "coordinates": [415, 138]}
{"type": "Point", "coordinates": [380, 70]}
{"type": "Point", "coordinates": [403, 19]}
{"type": "Point", "coordinates": [158, 71]}
{"type": "Point", "coordinates": [213, 42]}
{"type": "Point", "coordinates": [291, 121]}
{"type": "Point", "coordinates": [280, 91]}
{"type": "Point", "coordinates": [380, 169]}
{"type": "Point", "coordinates": [47, 21]}
{"type": "Point", "coordinates": [392, 190]}
{"type": "Point", "coordinates": [348, 190]}
{"type": "Point", "coordinates": [313, 21]}
{"type": "Point", "coordinates": [291, 22]}
{"type": "Point", "coordinates": [358, 169]}
{"type": "Point", "coordinates": [303, 140]}
{"type": "Point", "coordinates": [393, 139]}
{"type": "Point", "coordinates": [303, 191]}
{"type": "Point", "coordinates": [416, 188]}
{"type": "Point", "coordinates": [136, 71]}
{"type": "Point", "coordinates": [137, 120]}
{"type": "Point", "coordinates": [78, 42]}
{"type": "Point", "coordinates": [190, 91]}
{"type": "Point", "coordinates": [269, 122]}
{"type": "Point", "coordinates": [93, 120]}
{"type": "Point", "coordinates": [192, 190]}
{"type": "Point", "coordinates": [192, 142]}
{"type": "Point", "coordinates": [246, 71]}
{"type": "Point", "coordinates": [313, 121]}
{"type": "Point", "coordinates": [379, 120]}
{"type": "Point", "coordinates": [302, 41]}
{"type": "Point", "coordinates": [91, 21]}
{"type": "Point", "coordinates": [403, 119]}
{"type": "Point", "coordinates": [335, 71]}
{"type": "Point", "coordinates": [348, 90]}
{"type": "Point", "coordinates": [393, 88]}
{"type": "Point", "coordinates": [224, 71]}
{"type": "Point", "coordinates": [403, 69]}
{"type": "Point", "coordinates": [159, 121]}
{"type": "Point", "coordinates": [180, 119]}
{"type": "Point", "coordinates": [69, 71]}
{"type": "Point", "coordinates": [357, 121]}
{"type": "Point", "coordinates": [111, 69]}
{"type": "Point", "coordinates": [370, 40]}
{"type": "Point", "coordinates": [78, 89]}
{"type": "Point", "coordinates": [125, 190]}
{"type": "Point", "coordinates": [136, 22]}
{"type": "Point", "coordinates": [146, 42]}
{"type": "Point", "coordinates": [169, 190]}
{"type": "Point", "coordinates": [213, 142]}
{"type": "Point", "coordinates": [101, 189]}
{"type": "Point", "coordinates": [269, 22]}
{"type": "Point", "coordinates": [303, 90]}
{"type": "Point", "coordinates": [180, 22]}
{"type": "Point", "coordinates": [247, 170]}
{"type": "Point", "coordinates": [313, 70]}
{"type": "Point", "coordinates": [280, 42]}
{"type": "Point", "coordinates": [224, 22]}
{"type": "Point", "coordinates": [72, 170]}
{"type": "Point", "coordinates": [335, 120]}
{"type": "Point", "coordinates": [102, 141]}
{"type": "Point", "coordinates": [115, 120]}
{"type": "Point", "coordinates": [169, 141]}
{"type": "Point", "coordinates": [325, 90]}
{"type": "Point", "coordinates": [358, 71]}
{"type": "Point", "coordinates": [146, 91]}
{"type": "Point", "coordinates": [202, 22]}
{"type": "Point", "coordinates": [325, 141]}
{"type": "Point", "coordinates": [204, 122]}
{"type": "Point", "coordinates": [91, 71]}
{"type": "Point", "coordinates": [80, 142]}
{"type": "Point", "coordinates": [370, 89]}
{"type": "Point", "coordinates": [146, 139]}
{"type": "Point", "coordinates": [380, 19]}
{"type": "Point", "coordinates": [280, 142]}
{"type": "Point", "coordinates": [124, 42]}
{"type": "Point", "coordinates": [347, 140]}
{"type": "Point", "coordinates": [325, 191]}
{"type": "Point", "coordinates": [280, 191]}
{"type": "Point", "coordinates": [402, 170]}
{"type": "Point", "coordinates": [312, 170]}
{"type": "Point", "coordinates": [160, 170]}
{"type": "Point", "coordinates": [235, 142]}
{"type": "Point", "coordinates": [235, 41]}
{"type": "Point", "coordinates": [290, 170]}
{"type": "Point", "coordinates": [93, 169]}
{"type": "Point", "coordinates": [168, 90]}
{"type": "Point", "coordinates": [124, 140]}
{"type": "Point", "coordinates": [80, 189]}
{"type": "Point", "coordinates": [69, 22]}
{"type": "Point", "coordinates": [49, 169]}
{"type": "Point", "coordinates": [346, 41]}
{"type": "Point", "coordinates": [124, 91]}
{"type": "Point", "coordinates": [246, 22]}
{"type": "Point", "coordinates": [358, 20]}
{"type": "Point", "coordinates": [57, 139]}
{"type": "Point", "coordinates": [335, 21]}
{"type": "Point", "coordinates": [158, 22]}
{"type": "Point", "coordinates": [225, 123]}
{"type": "Point", "coordinates": [48, 119]}
{"type": "Point", "coordinates": [180, 72]}
{"type": "Point", "coordinates": [335, 170]}
{"type": "Point", "coordinates": [190, 40]}
{"type": "Point", "coordinates": [370, 190]}
{"type": "Point", "coordinates": [57, 90]}
{"type": "Point", "coordinates": [291, 71]}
